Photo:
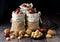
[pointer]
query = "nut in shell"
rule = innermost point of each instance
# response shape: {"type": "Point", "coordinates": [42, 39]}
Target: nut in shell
{"type": "Point", "coordinates": [32, 34]}
{"type": "Point", "coordinates": [21, 32]}
{"type": "Point", "coordinates": [37, 31]}
{"type": "Point", "coordinates": [6, 31]}
{"type": "Point", "coordinates": [12, 36]}
{"type": "Point", "coordinates": [26, 35]}
{"type": "Point", "coordinates": [7, 38]}
{"type": "Point", "coordinates": [19, 37]}
{"type": "Point", "coordinates": [15, 33]}
{"type": "Point", "coordinates": [28, 31]}
{"type": "Point", "coordinates": [52, 32]}
{"type": "Point", "coordinates": [48, 36]}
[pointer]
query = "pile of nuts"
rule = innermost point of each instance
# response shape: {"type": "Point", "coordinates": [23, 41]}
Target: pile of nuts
{"type": "Point", "coordinates": [13, 35]}
{"type": "Point", "coordinates": [27, 33]}
{"type": "Point", "coordinates": [50, 33]}
{"type": "Point", "coordinates": [36, 34]}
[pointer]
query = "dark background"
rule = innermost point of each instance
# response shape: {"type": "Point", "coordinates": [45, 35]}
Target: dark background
{"type": "Point", "coordinates": [47, 7]}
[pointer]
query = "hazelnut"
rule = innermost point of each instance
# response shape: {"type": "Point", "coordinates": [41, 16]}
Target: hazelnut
{"type": "Point", "coordinates": [48, 36]}
{"type": "Point", "coordinates": [37, 31]}
{"type": "Point", "coordinates": [12, 36]}
{"type": "Point", "coordinates": [20, 12]}
{"type": "Point", "coordinates": [15, 33]}
{"type": "Point", "coordinates": [52, 32]}
{"type": "Point", "coordinates": [21, 32]}
{"type": "Point", "coordinates": [19, 37]}
{"type": "Point", "coordinates": [32, 34]}
{"type": "Point", "coordinates": [38, 36]}
{"type": "Point", "coordinates": [28, 31]}
{"type": "Point", "coordinates": [26, 35]}
{"type": "Point", "coordinates": [7, 38]}
{"type": "Point", "coordinates": [28, 5]}
{"type": "Point", "coordinates": [6, 31]}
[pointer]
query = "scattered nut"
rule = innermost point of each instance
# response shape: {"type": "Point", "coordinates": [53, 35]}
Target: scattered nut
{"type": "Point", "coordinates": [21, 32]}
{"type": "Point", "coordinates": [48, 36]}
{"type": "Point", "coordinates": [28, 31]}
{"type": "Point", "coordinates": [37, 31]}
{"type": "Point", "coordinates": [26, 35]}
{"type": "Point", "coordinates": [52, 32]}
{"type": "Point", "coordinates": [6, 31]}
{"type": "Point", "coordinates": [19, 37]}
{"type": "Point", "coordinates": [7, 38]}
{"type": "Point", "coordinates": [12, 36]}
{"type": "Point", "coordinates": [32, 34]}
{"type": "Point", "coordinates": [15, 33]}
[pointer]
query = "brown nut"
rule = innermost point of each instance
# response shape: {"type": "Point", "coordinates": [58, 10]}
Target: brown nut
{"type": "Point", "coordinates": [48, 36]}
{"type": "Point", "coordinates": [37, 31]}
{"type": "Point", "coordinates": [7, 38]}
{"type": "Point", "coordinates": [28, 31]}
{"type": "Point", "coordinates": [20, 12]}
{"type": "Point", "coordinates": [32, 34]}
{"type": "Point", "coordinates": [26, 35]}
{"type": "Point", "coordinates": [15, 33]}
{"type": "Point", "coordinates": [19, 37]}
{"type": "Point", "coordinates": [52, 32]}
{"type": "Point", "coordinates": [21, 32]}
{"type": "Point", "coordinates": [6, 31]}
{"type": "Point", "coordinates": [12, 36]}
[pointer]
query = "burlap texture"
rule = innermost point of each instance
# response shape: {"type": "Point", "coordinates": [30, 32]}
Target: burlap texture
{"type": "Point", "coordinates": [17, 26]}
{"type": "Point", "coordinates": [33, 25]}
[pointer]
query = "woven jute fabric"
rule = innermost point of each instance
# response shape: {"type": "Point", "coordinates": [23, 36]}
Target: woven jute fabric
{"type": "Point", "coordinates": [17, 26]}
{"type": "Point", "coordinates": [33, 25]}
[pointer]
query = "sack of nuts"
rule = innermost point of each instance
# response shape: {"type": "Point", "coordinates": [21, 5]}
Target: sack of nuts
{"type": "Point", "coordinates": [25, 6]}
{"type": "Point", "coordinates": [33, 19]}
{"type": "Point", "coordinates": [18, 20]}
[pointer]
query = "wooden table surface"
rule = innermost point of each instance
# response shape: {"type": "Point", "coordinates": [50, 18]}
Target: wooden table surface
{"type": "Point", "coordinates": [56, 38]}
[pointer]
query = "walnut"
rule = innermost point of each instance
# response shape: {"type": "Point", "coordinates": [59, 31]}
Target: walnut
{"type": "Point", "coordinates": [28, 31]}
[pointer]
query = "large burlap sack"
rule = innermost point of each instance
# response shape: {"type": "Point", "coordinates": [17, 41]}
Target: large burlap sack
{"type": "Point", "coordinates": [33, 21]}
{"type": "Point", "coordinates": [18, 21]}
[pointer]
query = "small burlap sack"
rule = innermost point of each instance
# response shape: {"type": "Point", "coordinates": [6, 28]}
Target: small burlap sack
{"type": "Point", "coordinates": [17, 22]}
{"type": "Point", "coordinates": [33, 21]}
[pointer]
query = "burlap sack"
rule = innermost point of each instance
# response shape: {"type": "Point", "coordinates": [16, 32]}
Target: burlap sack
{"type": "Point", "coordinates": [17, 22]}
{"type": "Point", "coordinates": [33, 21]}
